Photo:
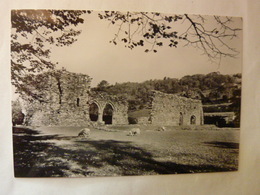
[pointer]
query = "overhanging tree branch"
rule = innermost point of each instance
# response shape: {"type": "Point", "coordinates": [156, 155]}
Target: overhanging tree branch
{"type": "Point", "coordinates": [153, 30]}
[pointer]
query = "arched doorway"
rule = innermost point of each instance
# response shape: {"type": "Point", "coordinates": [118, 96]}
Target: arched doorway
{"type": "Point", "coordinates": [181, 119]}
{"type": "Point", "coordinates": [93, 112]}
{"type": "Point", "coordinates": [108, 114]}
{"type": "Point", "coordinates": [192, 120]}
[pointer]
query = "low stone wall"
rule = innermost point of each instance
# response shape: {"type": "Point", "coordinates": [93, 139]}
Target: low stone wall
{"type": "Point", "coordinates": [41, 118]}
{"type": "Point", "coordinates": [47, 115]}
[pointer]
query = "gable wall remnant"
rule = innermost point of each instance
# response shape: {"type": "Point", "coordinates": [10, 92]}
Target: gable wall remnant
{"type": "Point", "coordinates": [170, 109]}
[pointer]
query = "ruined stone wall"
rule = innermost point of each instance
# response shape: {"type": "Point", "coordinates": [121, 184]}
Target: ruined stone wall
{"type": "Point", "coordinates": [119, 107]}
{"type": "Point", "coordinates": [67, 100]}
{"type": "Point", "coordinates": [169, 109]}
{"type": "Point", "coordinates": [143, 120]}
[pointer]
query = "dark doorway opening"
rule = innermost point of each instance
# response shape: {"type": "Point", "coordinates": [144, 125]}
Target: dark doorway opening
{"type": "Point", "coordinates": [78, 102]}
{"type": "Point", "coordinates": [93, 112]}
{"type": "Point", "coordinates": [192, 120]}
{"type": "Point", "coordinates": [108, 114]}
{"type": "Point", "coordinates": [181, 119]}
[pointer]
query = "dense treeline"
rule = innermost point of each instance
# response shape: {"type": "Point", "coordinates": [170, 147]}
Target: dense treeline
{"type": "Point", "coordinates": [210, 88]}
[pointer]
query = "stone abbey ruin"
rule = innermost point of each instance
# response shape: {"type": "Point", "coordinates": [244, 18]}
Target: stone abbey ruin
{"type": "Point", "coordinates": [170, 109]}
{"type": "Point", "coordinates": [70, 102]}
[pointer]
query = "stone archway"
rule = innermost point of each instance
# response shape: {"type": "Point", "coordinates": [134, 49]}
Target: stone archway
{"type": "Point", "coordinates": [192, 120]}
{"type": "Point", "coordinates": [108, 114]}
{"type": "Point", "coordinates": [93, 112]}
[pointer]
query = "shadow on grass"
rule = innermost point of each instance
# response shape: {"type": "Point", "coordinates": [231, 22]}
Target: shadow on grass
{"type": "Point", "coordinates": [134, 160]}
{"type": "Point", "coordinates": [34, 157]}
{"type": "Point", "coordinates": [29, 151]}
{"type": "Point", "coordinates": [229, 145]}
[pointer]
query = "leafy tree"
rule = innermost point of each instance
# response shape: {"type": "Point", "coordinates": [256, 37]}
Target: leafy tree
{"type": "Point", "coordinates": [37, 87]}
{"type": "Point", "coordinates": [17, 114]}
{"type": "Point", "coordinates": [34, 32]}
{"type": "Point", "coordinates": [209, 88]}
{"type": "Point", "coordinates": [153, 30]}
{"type": "Point", "coordinates": [215, 95]}
{"type": "Point", "coordinates": [102, 85]}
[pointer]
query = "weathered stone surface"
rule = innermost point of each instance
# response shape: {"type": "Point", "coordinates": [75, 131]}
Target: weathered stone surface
{"type": "Point", "coordinates": [65, 102]}
{"type": "Point", "coordinates": [68, 101]}
{"type": "Point", "coordinates": [143, 120]}
{"type": "Point", "coordinates": [118, 106]}
{"type": "Point", "coordinates": [170, 109]}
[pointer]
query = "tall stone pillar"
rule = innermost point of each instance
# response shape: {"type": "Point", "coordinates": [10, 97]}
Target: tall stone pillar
{"type": "Point", "coordinates": [100, 114]}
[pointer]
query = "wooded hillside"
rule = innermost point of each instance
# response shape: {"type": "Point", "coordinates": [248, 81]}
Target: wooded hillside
{"type": "Point", "coordinates": [212, 88]}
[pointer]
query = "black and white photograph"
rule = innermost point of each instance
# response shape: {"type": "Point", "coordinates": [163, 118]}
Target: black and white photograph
{"type": "Point", "coordinates": [117, 93]}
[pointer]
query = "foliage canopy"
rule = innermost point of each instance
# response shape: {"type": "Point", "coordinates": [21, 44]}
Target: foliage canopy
{"type": "Point", "coordinates": [33, 34]}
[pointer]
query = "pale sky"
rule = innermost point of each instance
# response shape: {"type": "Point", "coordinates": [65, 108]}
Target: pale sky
{"type": "Point", "coordinates": [93, 55]}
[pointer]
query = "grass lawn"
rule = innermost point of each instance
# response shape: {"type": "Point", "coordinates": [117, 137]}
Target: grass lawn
{"type": "Point", "coordinates": [58, 152]}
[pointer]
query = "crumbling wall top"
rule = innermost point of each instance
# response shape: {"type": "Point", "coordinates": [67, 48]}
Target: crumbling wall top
{"type": "Point", "coordinates": [103, 96]}
{"type": "Point", "coordinates": [155, 93]}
